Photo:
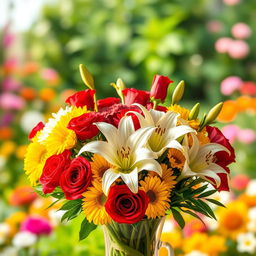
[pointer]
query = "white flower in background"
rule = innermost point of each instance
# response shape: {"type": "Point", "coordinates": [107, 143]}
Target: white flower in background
{"type": "Point", "coordinates": [251, 188]}
{"type": "Point", "coordinates": [9, 251]}
{"type": "Point", "coordinates": [125, 150]}
{"type": "Point", "coordinates": [169, 226]}
{"type": "Point", "coordinates": [166, 133]}
{"type": "Point", "coordinates": [196, 253]}
{"type": "Point", "coordinates": [251, 226]}
{"type": "Point", "coordinates": [246, 243]}
{"type": "Point", "coordinates": [200, 160]}
{"type": "Point", "coordinates": [30, 119]}
{"type": "Point", "coordinates": [24, 239]}
{"type": "Point", "coordinates": [4, 232]}
{"type": "Point", "coordinates": [211, 223]}
{"type": "Point", "coordinates": [2, 162]}
{"type": "Point", "coordinates": [55, 216]}
{"type": "Point", "coordinates": [252, 213]}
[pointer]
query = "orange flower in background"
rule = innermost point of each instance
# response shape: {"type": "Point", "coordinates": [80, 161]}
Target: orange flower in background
{"type": "Point", "coordinates": [215, 245]}
{"type": "Point", "coordinates": [5, 133]}
{"type": "Point", "coordinates": [229, 111]}
{"type": "Point", "coordinates": [29, 68]}
{"type": "Point", "coordinates": [244, 103]}
{"type": "Point", "coordinates": [23, 195]}
{"type": "Point", "coordinates": [47, 94]}
{"type": "Point", "coordinates": [174, 238]}
{"type": "Point", "coordinates": [249, 200]}
{"type": "Point", "coordinates": [21, 151]}
{"type": "Point", "coordinates": [196, 242]}
{"type": "Point", "coordinates": [28, 93]}
{"type": "Point", "coordinates": [14, 221]}
{"type": "Point", "coordinates": [7, 148]}
{"type": "Point", "coordinates": [66, 94]}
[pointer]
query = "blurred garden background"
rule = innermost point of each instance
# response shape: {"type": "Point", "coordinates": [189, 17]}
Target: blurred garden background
{"type": "Point", "coordinates": [211, 44]}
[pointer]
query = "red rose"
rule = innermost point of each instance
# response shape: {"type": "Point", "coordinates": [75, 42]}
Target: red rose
{"type": "Point", "coordinates": [123, 206]}
{"type": "Point", "coordinates": [107, 102]}
{"type": "Point", "coordinates": [76, 179]}
{"type": "Point", "coordinates": [216, 136]}
{"type": "Point", "coordinates": [36, 129]}
{"type": "Point", "coordinates": [82, 98]}
{"type": "Point", "coordinates": [159, 87]}
{"type": "Point", "coordinates": [135, 96]}
{"type": "Point", "coordinates": [84, 126]}
{"type": "Point", "coordinates": [53, 168]}
{"type": "Point", "coordinates": [159, 108]}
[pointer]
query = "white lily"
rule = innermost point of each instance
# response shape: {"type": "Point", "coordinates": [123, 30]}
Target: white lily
{"type": "Point", "coordinates": [125, 150]}
{"type": "Point", "coordinates": [166, 133]}
{"type": "Point", "coordinates": [200, 161]}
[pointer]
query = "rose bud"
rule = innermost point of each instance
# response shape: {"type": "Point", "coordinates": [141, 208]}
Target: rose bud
{"type": "Point", "coordinates": [53, 168]}
{"type": "Point", "coordinates": [135, 96]}
{"type": "Point", "coordinates": [36, 129]}
{"type": "Point", "coordinates": [82, 98]}
{"type": "Point", "coordinates": [84, 126]}
{"type": "Point", "coordinates": [76, 179]}
{"type": "Point", "coordinates": [159, 87]}
{"type": "Point", "coordinates": [123, 206]}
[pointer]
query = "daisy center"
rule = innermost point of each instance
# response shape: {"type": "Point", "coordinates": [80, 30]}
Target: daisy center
{"type": "Point", "coordinates": [101, 199]}
{"type": "Point", "coordinates": [152, 196]}
{"type": "Point", "coordinates": [234, 221]}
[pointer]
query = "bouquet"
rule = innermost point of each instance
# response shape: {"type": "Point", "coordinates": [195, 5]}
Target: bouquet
{"type": "Point", "coordinates": [126, 162]}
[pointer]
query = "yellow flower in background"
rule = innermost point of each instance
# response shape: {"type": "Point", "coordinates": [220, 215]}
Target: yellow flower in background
{"type": "Point", "coordinates": [233, 219]}
{"type": "Point", "coordinates": [14, 221]}
{"type": "Point", "coordinates": [99, 165]}
{"type": "Point", "coordinates": [174, 238]}
{"type": "Point", "coordinates": [196, 242]}
{"type": "Point", "coordinates": [176, 158]}
{"type": "Point", "coordinates": [158, 193]}
{"type": "Point", "coordinates": [34, 161]}
{"type": "Point", "coordinates": [55, 135]}
{"type": "Point", "coordinates": [94, 205]}
{"type": "Point", "coordinates": [215, 246]}
{"type": "Point", "coordinates": [21, 151]}
{"type": "Point", "coordinates": [7, 148]}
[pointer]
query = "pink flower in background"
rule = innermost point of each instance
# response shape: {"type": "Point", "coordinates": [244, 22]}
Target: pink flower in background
{"type": "Point", "coordinates": [194, 226]}
{"type": "Point", "coordinates": [8, 39]}
{"type": "Point", "coordinates": [246, 136]}
{"type": "Point", "coordinates": [11, 101]}
{"type": "Point", "coordinates": [37, 226]}
{"type": "Point", "coordinates": [6, 119]}
{"type": "Point", "coordinates": [231, 2]}
{"type": "Point", "coordinates": [222, 44]}
{"type": "Point", "coordinates": [230, 84]}
{"type": "Point", "coordinates": [248, 88]}
{"type": "Point", "coordinates": [10, 84]}
{"type": "Point", "coordinates": [241, 31]}
{"type": "Point", "coordinates": [49, 74]}
{"type": "Point", "coordinates": [240, 181]}
{"type": "Point", "coordinates": [10, 65]}
{"type": "Point", "coordinates": [214, 26]}
{"type": "Point", "coordinates": [230, 132]}
{"type": "Point", "coordinates": [238, 49]}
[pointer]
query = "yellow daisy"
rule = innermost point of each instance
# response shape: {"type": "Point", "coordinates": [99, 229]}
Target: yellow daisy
{"type": "Point", "coordinates": [35, 158]}
{"type": "Point", "coordinates": [167, 176]}
{"type": "Point", "coordinates": [56, 136]}
{"type": "Point", "coordinates": [233, 219]}
{"type": "Point", "coordinates": [176, 158]}
{"type": "Point", "coordinates": [184, 112]}
{"type": "Point", "coordinates": [99, 165]}
{"type": "Point", "coordinates": [158, 194]}
{"type": "Point", "coordinates": [94, 205]}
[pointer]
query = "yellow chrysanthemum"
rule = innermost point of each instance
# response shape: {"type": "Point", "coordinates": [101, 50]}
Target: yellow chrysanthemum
{"type": "Point", "coordinates": [158, 194]}
{"type": "Point", "coordinates": [176, 158]}
{"type": "Point", "coordinates": [34, 161]}
{"type": "Point", "coordinates": [215, 246]}
{"type": "Point", "coordinates": [184, 112]}
{"type": "Point", "coordinates": [99, 165]}
{"type": "Point", "coordinates": [60, 137]}
{"type": "Point", "coordinates": [94, 205]}
{"type": "Point", "coordinates": [167, 176]}
{"type": "Point", "coordinates": [195, 242]}
{"type": "Point", "coordinates": [233, 219]}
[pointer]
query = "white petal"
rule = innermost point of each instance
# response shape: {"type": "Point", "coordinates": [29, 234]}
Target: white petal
{"type": "Point", "coordinates": [193, 151]}
{"type": "Point", "coordinates": [125, 129]}
{"type": "Point", "coordinates": [178, 131]}
{"type": "Point", "coordinates": [109, 131]}
{"type": "Point", "coordinates": [131, 180]}
{"type": "Point", "coordinates": [170, 144]}
{"type": "Point", "coordinates": [144, 153]}
{"type": "Point", "coordinates": [157, 115]}
{"type": "Point", "coordinates": [208, 173]}
{"type": "Point", "coordinates": [216, 168]}
{"type": "Point", "coordinates": [140, 137]}
{"type": "Point", "coordinates": [142, 120]}
{"type": "Point", "coordinates": [169, 120]}
{"type": "Point", "coordinates": [102, 148]}
{"type": "Point", "coordinates": [108, 178]}
{"type": "Point", "coordinates": [150, 165]}
{"type": "Point", "coordinates": [147, 115]}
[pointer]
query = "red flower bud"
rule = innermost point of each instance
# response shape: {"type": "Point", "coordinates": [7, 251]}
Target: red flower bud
{"type": "Point", "coordinates": [36, 129]}
{"type": "Point", "coordinates": [135, 96]}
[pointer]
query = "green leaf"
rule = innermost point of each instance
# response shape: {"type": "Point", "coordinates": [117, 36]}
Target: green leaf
{"type": "Point", "coordinates": [86, 229]}
{"type": "Point", "coordinates": [73, 208]}
{"type": "Point", "coordinates": [207, 193]}
{"type": "Point", "coordinates": [207, 208]}
{"type": "Point", "coordinates": [193, 214]}
{"type": "Point", "coordinates": [178, 217]}
{"type": "Point", "coordinates": [71, 204]}
{"type": "Point", "coordinates": [215, 202]}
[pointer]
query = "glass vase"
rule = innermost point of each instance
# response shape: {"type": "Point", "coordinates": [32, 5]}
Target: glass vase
{"type": "Point", "coordinates": [139, 239]}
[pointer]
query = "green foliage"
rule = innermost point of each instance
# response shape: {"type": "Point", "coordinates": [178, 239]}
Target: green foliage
{"type": "Point", "coordinates": [86, 228]}
{"type": "Point", "coordinates": [72, 208]}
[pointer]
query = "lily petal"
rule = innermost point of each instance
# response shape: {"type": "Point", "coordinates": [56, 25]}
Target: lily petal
{"type": "Point", "coordinates": [150, 165]}
{"type": "Point", "coordinates": [179, 131]}
{"type": "Point", "coordinates": [108, 178]}
{"type": "Point", "coordinates": [125, 129]}
{"type": "Point", "coordinates": [157, 115]}
{"type": "Point", "coordinates": [144, 153]}
{"type": "Point", "coordinates": [131, 180]}
{"type": "Point", "coordinates": [147, 115]}
{"type": "Point", "coordinates": [168, 120]}
{"type": "Point", "coordinates": [109, 131]}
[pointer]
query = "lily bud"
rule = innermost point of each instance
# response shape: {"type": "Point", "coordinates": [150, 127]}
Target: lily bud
{"type": "Point", "coordinates": [119, 87]}
{"type": "Point", "coordinates": [213, 113]}
{"type": "Point", "coordinates": [86, 76]}
{"type": "Point", "coordinates": [178, 92]}
{"type": "Point", "coordinates": [193, 114]}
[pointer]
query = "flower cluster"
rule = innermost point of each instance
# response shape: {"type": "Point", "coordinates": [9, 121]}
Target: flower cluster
{"type": "Point", "coordinates": [129, 158]}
